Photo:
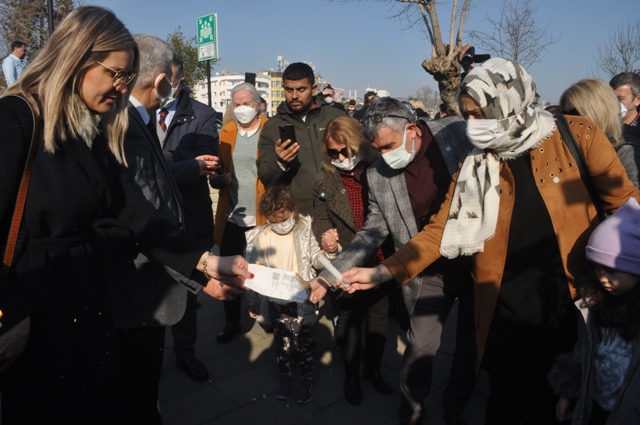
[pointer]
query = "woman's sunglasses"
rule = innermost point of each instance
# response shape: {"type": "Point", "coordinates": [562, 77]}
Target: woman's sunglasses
{"type": "Point", "coordinates": [119, 76]}
{"type": "Point", "coordinates": [334, 153]}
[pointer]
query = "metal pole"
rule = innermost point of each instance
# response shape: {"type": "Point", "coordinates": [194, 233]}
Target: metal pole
{"type": "Point", "coordinates": [50, 7]}
{"type": "Point", "coordinates": [209, 81]}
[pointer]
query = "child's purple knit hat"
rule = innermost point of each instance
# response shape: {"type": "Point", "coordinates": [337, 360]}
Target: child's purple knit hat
{"type": "Point", "coordinates": [616, 241]}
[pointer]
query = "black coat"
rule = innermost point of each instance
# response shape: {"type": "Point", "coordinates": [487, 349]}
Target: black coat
{"type": "Point", "coordinates": [79, 211]}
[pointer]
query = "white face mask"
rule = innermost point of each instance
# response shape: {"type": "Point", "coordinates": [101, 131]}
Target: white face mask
{"type": "Point", "coordinates": [328, 99]}
{"type": "Point", "coordinates": [244, 114]}
{"type": "Point", "coordinates": [172, 96]}
{"type": "Point", "coordinates": [284, 227]}
{"type": "Point", "coordinates": [160, 97]}
{"type": "Point", "coordinates": [347, 165]}
{"type": "Point", "coordinates": [625, 108]}
{"type": "Point", "coordinates": [399, 158]}
{"type": "Point", "coordinates": [486, 132]}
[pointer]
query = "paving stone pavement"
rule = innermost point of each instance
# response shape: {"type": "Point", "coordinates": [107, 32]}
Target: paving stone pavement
{"type": "Point", "coordinates": [243, 375]}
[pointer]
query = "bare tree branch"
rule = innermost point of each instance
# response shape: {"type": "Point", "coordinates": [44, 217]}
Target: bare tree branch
{"type": "Point", "coordinates": [622, 52]}
{"type": "Point", "coordinates": [452, 25]}
{"type": "Point", "coordinates": [423, 13]}
{"type": "Point", "coordinates": [516, 34]}
{"type": "Point", "coordinates": [443, 64]}
{"type": "Point", "coordinates": [463, 17]}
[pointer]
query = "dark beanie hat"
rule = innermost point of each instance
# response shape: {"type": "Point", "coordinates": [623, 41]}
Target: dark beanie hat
{"type": "Point", "coordinates": [616, 241]}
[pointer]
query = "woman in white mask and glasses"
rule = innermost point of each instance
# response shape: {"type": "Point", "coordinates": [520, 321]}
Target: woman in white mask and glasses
{"type": "Point", "coordinates": [519, 206]}
{"type": "Point", "coordinates": [340, 203]}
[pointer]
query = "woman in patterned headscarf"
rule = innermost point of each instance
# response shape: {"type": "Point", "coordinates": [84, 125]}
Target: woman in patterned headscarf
{"type": "Point", "coordinates": [519, 206]}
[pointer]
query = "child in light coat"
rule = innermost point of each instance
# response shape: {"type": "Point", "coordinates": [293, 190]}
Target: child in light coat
{"type": "Point", "coordinates": [286, 242]}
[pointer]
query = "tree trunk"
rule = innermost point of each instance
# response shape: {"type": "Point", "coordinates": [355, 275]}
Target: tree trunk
{"type": "Point", "coordinates": [446, 71]}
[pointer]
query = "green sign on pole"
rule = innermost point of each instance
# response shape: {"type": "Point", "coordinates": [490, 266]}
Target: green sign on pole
{"type": "Point", "coordinates": [208, 37]}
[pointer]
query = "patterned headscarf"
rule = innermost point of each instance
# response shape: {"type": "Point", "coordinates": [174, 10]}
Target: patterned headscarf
{"type": "Point", "coordinates": [505, 92]}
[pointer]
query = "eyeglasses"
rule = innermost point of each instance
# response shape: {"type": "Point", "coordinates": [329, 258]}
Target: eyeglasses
{"type": "Point", "coordinates": [119, 76]}
{"type": "Point", "coordinates": [335, 154]}
{"type": "Point", "coordinates": [377, 118]}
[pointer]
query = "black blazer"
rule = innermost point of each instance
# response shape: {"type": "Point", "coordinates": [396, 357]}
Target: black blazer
{"type": "Point", "coordinates": [143, 291]}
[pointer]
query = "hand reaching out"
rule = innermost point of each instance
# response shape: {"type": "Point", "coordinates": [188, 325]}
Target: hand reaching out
{"type": "Point", "coordinates": [360, 279]}
{"type": "Point", "coordinates": [226, 275]}
{"type": "Point", "coordinates": [319, 289]}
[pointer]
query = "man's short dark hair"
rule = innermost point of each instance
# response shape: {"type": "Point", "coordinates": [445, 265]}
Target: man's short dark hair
{"type": "Point", "coordinates": [177, 61]}
{"type": "Point", "coordinates": [352, 102]}
{"type": "Point", "coordinates": [299, 71]}
{"type": "Point", "coordinates": [392, 113]}
{"type": "Point", "coordinates": [16, 45]}
{"type": "Point", "coordinates": [627, 78]}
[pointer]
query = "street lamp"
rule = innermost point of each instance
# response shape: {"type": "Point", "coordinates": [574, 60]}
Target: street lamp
{"type": "Point", "coordinates": [50, 10]}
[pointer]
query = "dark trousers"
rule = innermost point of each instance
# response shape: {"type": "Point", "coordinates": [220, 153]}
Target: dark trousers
{"type": "Point", "coordinates": [374, 306]}
{"type": "Point", "coordinates": [515, 401]}
{"type": "Point", "coordinates": [185, 332]}
{"type": "Point", "coordinates": [518, 391]}
{"type": "Point", "coordinates": [290, 336]}
{"type": "Point", "coordinates": [437, 296]}
{"type": "Point", "coordinates": [142, 350]}
{"type": "Point", "coordinates": [233, 243]}
{"type": "Point", "coordinates": [70, 372]}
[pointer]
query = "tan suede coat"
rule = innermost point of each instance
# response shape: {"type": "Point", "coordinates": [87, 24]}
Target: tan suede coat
{"type": "Point", "coordinates": [228, 135]}
{"type": "Point", "coordinates": [572, 214]}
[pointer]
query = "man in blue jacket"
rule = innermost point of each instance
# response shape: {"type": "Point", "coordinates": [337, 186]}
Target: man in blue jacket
{"type": "Point", "coordinates": [188, 134]}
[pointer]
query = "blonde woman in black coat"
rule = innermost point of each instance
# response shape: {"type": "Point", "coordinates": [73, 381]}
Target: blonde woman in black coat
{"type": "Point", "coordinates": [79, 211]}
{"type": "Point", "coordinates": [340, 203]}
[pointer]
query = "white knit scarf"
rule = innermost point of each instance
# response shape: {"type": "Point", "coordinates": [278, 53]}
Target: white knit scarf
{"type": "Point", "coordinates": [503, 89]}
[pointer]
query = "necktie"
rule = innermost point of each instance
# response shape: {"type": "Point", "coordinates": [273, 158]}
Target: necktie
{"type": "Point", "coordinates": [163, 116]}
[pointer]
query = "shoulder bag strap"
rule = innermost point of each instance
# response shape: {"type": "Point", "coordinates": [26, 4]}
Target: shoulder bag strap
{"type": "Point", "coordinates": [575, 150]}
{"type": "Point", "coordinates": [22, 196]}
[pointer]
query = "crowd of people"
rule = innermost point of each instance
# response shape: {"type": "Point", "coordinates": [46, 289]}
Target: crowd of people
{"type": "Point", "coordinates": [528, 219]}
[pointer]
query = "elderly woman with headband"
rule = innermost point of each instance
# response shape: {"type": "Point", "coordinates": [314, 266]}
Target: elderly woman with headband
{"type": "Point", "coordinates": [79, 210]}
{"type": "Point", "coordinates": [519, 206]}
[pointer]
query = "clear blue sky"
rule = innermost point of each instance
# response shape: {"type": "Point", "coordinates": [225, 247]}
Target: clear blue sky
{"type": "Point", "coordinates": [356, 44]}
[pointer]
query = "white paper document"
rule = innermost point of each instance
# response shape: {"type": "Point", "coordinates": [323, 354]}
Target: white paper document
{"type": "Point", "coordinates": [275, 283]}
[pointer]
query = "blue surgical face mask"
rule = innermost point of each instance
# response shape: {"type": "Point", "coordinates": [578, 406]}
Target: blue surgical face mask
{"type": "Point", "coordinates": [399, 158]}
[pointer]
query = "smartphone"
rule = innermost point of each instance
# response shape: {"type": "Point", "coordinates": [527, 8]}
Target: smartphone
{"type": "Point", "coordinates": [287, 132]}
{"type": "Point", "coordinates": [250, 77]}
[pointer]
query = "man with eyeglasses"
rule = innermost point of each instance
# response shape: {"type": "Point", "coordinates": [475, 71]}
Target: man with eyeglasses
{"type": "Point", "coordinates": [296, 163]}
{"type": "Point", "coordinates": [407, 186]}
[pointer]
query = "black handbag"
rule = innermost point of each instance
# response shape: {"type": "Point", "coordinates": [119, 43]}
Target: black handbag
{"type": "Point", "coordinates": [576, 152]}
